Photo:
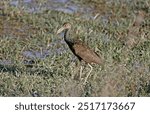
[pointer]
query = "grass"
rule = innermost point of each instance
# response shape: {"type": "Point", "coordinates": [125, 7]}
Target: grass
{"type": "Point", "coordinates": [125, 72]}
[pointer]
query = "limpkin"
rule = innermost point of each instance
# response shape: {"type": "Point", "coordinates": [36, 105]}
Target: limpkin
{"type": "Point", "coordinates": [80, 49]}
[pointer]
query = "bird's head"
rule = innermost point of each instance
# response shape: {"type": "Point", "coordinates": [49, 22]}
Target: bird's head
{"type": "Point", "coordinates": [64, 27]}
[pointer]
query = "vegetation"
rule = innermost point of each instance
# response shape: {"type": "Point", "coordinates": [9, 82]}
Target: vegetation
{"type": "Point", "coordinates": [34, 61]}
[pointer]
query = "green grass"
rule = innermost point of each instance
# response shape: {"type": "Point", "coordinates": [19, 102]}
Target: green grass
{"type": "Point", "coordinates": [125, 72]}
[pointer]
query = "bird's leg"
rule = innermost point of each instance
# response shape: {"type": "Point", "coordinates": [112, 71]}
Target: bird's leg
{"type": "Point", "coordinates": [91, 68]}
{"type": "Point", "coordinates": [81, 69]}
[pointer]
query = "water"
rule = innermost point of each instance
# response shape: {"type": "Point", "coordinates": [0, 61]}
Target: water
{"type": "Point", "coordinates": [52, 49]}
{"type": "Point", "coordinates": [5, 62]}
{"type": "Point", "coordinates": [65, 6]}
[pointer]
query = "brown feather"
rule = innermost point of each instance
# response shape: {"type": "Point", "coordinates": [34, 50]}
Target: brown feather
{"type": "Point", "coordinates": [85, 53]}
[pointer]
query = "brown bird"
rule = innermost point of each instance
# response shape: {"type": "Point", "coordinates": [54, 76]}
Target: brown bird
{"type": "Point", "coordinates": [79, 49]}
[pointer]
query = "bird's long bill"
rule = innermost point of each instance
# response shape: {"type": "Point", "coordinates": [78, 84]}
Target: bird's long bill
{"type": "Point", "coordinates": [60, 30]}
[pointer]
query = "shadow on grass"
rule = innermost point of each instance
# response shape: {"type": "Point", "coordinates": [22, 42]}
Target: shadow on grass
{"type": "Point", "coordinates": [10, 69]}
{"type": "Point", "coordinates": [30, 70]}
{"type": "Point", "coordinates": [148, 87]}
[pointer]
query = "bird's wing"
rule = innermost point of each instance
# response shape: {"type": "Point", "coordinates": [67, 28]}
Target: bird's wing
{"type": "Point", "coordinates": [86, 53]}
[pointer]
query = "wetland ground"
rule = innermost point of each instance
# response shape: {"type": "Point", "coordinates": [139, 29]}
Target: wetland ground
{"type": "Point", "coordinates": [34, 61]}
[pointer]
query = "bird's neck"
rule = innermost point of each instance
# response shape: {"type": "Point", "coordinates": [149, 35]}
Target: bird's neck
{"type": "Point", "coordinates": [67, 36]}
